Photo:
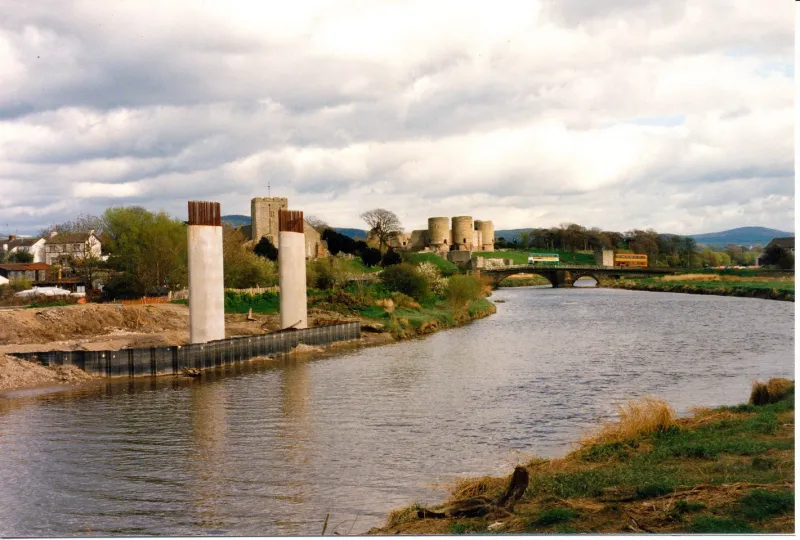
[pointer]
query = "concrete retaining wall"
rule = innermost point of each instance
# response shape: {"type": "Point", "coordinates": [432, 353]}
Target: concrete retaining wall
{"type": "Point", "coordinates": [171, 360]}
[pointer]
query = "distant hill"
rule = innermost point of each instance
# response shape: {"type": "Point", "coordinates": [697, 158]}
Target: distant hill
{"type": "Point", "coordinates": [510, 234]}
{"type": "Point", "coordinates": [740, 236]}
{"type": "Point", "coordinates": [355, 234]}
{"type": "Point", "coordinates": [236, 220]}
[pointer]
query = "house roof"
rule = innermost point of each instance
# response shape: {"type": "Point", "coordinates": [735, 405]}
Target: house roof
{"type": "Point", "coordinates": [69, 238]}
{"type": "Point", "coordinates": [21, 242]}
{"type": "Point", "coordinates": [16, 267]}
{"type": "Point", "coordinates": [786, 242]}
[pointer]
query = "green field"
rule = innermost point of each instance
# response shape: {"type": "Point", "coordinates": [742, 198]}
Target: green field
{"type": "Point", "coordinates": [445, 267]}
{"type": "Point", "coordinates": [521, 256]}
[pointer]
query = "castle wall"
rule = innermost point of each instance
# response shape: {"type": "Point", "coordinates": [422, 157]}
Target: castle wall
{"type": "Point", "coordinates": [419, 240]}
{"type": "Point", "coordinates": [477, 240]}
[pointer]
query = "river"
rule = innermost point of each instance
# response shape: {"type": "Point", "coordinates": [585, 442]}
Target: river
{"type": "Point", "coordinates": [270, 449]}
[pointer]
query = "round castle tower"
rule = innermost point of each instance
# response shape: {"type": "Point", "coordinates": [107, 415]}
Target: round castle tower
{"type": "Point", "coordinates": [439, 231]}
{"type": "Point", "coordinates": [487, 234]}
{"type": "Point", "coordinates": [462, 233]}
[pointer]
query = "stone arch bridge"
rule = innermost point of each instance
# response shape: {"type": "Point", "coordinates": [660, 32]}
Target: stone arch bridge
{"type": "Point", "coordinates": [564, 275]}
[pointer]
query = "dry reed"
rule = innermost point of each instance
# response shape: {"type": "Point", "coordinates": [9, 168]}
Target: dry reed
{"type": "Point", "coordinates": [692, 277]}
{"type": "Point", "coordinates": [636, 418]}
{"type": "Point", "coordinates": [772, 391]}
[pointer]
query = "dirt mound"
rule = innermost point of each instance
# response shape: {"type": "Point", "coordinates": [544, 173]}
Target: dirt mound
{"type": "Point", "coordinates": [17, 373]}
{"type": "Point", "coordinates": [70, 322]}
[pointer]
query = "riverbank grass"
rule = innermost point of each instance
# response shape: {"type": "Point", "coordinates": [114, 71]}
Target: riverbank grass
{"type": "Point", "coordinates": [773, 288]}
{"type": "Point", "coordinates": [724, 470]}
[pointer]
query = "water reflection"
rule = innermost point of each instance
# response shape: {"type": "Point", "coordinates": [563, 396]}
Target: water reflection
{"type": "Point", "coordinates": [207, 457]}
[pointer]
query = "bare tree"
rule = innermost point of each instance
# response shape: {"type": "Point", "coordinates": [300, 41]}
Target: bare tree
{"type": "Point", "coordinates": [383, 224]}
{"type": "Point", "coordinates": [81, 224]}
{"type": "Point", "coordinates": [317, 223]}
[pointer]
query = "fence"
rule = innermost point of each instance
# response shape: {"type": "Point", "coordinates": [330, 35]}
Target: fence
{"type": "Point", "coordinates": [153, 361]}
{"type": "Point", "coordinates": [146, 300]}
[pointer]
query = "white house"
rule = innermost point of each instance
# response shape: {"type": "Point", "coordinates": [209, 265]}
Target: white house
{"type": "Point", "coordinates": [60, 248]}
{"type": "Point", "coordinates": [34, 246]}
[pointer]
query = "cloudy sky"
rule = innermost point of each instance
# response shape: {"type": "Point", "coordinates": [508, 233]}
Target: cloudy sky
{"type": "Point", "coordinates": [621, 114]}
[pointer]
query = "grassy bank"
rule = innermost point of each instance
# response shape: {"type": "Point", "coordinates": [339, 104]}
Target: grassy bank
{"type": "Point", "coordinates": [374, 305]}
{"type": "Point", "coordinates": [724, 470]}
{"type": "Point", "coordinates": [770, 288]}
{"type": "Point", "coordinates": [520, 256]}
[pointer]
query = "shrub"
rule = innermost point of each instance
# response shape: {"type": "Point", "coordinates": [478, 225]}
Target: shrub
{"type": "Point", "coordinates": [431, 272]}
{"type": "Point", "coordinates": [123, 286]}
{"type": "Point", "coordinates": [461, 290]}
{"type": "Point", "coordinates": [236, 302]}
{"type": "Point", "coordinates": [773, 391]}
{"type": "Point", "coordinates": [265, 249]}
{"type": "Point", "coordinates": [402, 301]}
{"type": "Point", "coordinates": [404, 278]}
{"type": "Point", "coordinates": [249, 270]}
{"type": "Point", "coordinates": [370, 256]}
{"type": "Point", "coordinates": [325, 273]}
{"type": "Point", "coordinates": [390, 258]}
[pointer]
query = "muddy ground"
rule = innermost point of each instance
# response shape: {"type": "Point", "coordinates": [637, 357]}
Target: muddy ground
{"type": "Point", "coordinates": [95, 327]}
{"type": "Point", "coordinates": [16, 373]}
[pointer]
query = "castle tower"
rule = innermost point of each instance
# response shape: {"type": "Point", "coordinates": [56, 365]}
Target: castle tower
{"type": "Point", "coordinates": [462, 233]}
{"type": "Point", "coordinates": [264, 217]}
{"type": "Point", "coordinates": [439, 232]}
{"type": "Point", "coordinates": [487, 234]}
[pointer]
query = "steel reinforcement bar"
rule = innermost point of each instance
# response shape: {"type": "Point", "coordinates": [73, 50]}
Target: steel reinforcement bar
{"type": "Point", "coordinates": [153, 361]}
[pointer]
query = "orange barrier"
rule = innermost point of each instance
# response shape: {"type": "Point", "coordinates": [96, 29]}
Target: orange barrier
{"type": "Point", "coordinates": [145, 300]}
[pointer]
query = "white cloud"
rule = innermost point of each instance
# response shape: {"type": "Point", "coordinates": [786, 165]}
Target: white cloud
{"type": "Point", "coordinates": [671, 115]}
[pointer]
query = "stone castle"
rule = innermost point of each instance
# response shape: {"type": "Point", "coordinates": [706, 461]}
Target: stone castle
{"type": "Point", "coordinates": [454, 241]}
{"type": "Point", "coordinates": [464, 235]}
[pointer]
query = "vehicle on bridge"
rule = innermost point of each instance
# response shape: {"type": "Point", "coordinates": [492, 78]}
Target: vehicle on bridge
{"type": "Point", "coordinates": [630, 260]}
{"type": "Point", "coordinates": [544, 259]}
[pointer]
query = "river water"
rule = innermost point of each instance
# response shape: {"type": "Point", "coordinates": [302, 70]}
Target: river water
{"type": "Point", "coordinates": [270, 449]}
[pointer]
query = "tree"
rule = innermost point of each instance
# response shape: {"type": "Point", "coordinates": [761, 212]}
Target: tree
{"type": "Point", "coordinates": [148, 249]}
{"type": "Point", "coordinates": [2, 256]}
{"type": "Point", "coordinates": [20, 256]}
{"type": "Point", "coordinates": [686, 248]}
{"type": "Point", "coordinates": [383, 224]}
{"type": "Point", "coordinates": [777, 256]}
{"type": "Point", "coordinates": [81, 224]}
{"type": "Point", "coordinates": [317, 223]}
{"type": "Point", "coordinates": [241, 267]}
{"type": "Point", "coordinates": [338, 242]}
{"type": "Point", "coordinates": [525, 239]}
{"type": "Point", "coordinates": [87, 269]}
{"type": "Point", "coordinates": [265, 249]}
